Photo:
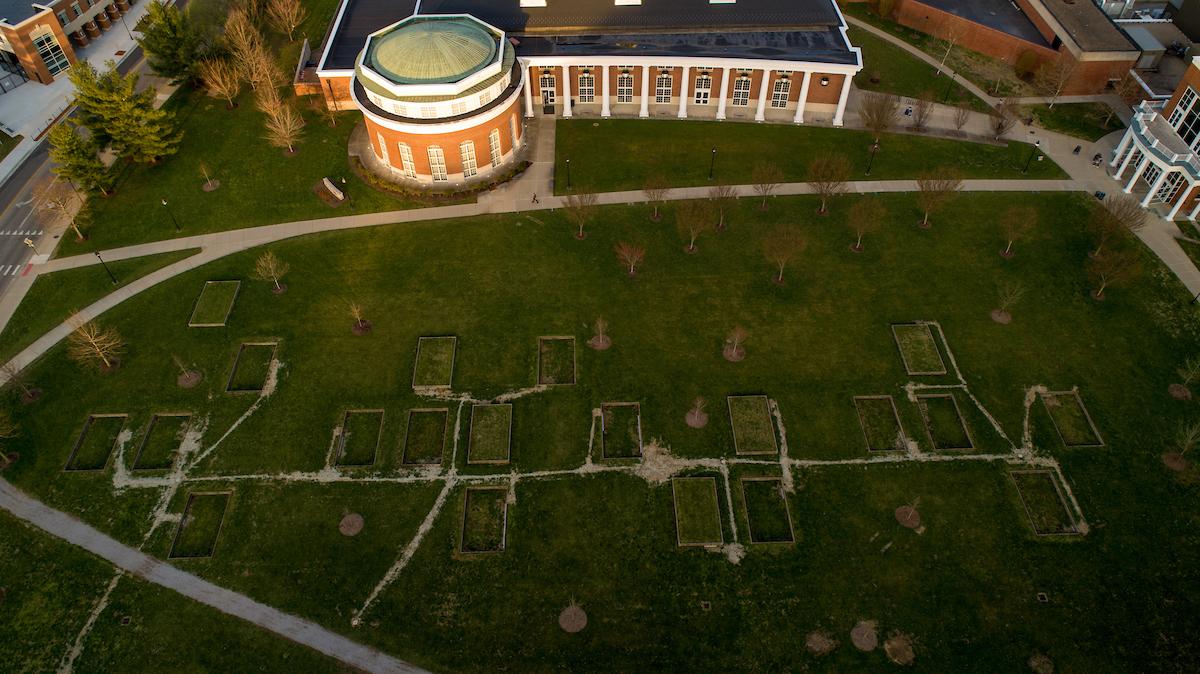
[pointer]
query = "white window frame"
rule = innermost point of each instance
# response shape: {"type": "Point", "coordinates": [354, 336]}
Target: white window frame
{"type": "Point", "coordinates": [587, 87]}
{"type": "Point", "coordinates": [741, 91]}
{"type": "Point", "coordinates": [407, 165]}
{"type": "Point", "coordinates": [494, 150]}
{"type": "Point", "coordinates": [546, 88]}
{"type": "Point", "coordinates": [703, 89]}
{"type": "Point", "coordinates": [780, 92]}
{"type": "Point", "coordinates": [625, 88]}
{"type": "Point", "coordinates": [466, 151]}
{"type": "Point", "coordinates": [662, 86]}
{"type": "Point", "coordinates": [437, 164]}
{"type": "Point", "coordinates": [383, 148]}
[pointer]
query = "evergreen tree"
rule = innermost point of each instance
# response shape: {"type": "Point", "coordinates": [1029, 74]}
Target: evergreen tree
{"type": "Point", "coordinates": [119, 115]}
{"type": "Point", "coordinates": [77, 160]}
{"type": "Point", "coordinates": [173, 42]}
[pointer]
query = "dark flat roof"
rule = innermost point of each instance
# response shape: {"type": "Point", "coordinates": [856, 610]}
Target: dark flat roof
{"type": "Point", "coordinates": [360, 19]}
{"type": "Point", "coordinates": [16, 11]}
{"type": "Point", "coordinates": [1001, 15]}
{"type": "Point", "coordinates": [825, 46]}
{"type": "Point", "coordinates": [1089, 26]}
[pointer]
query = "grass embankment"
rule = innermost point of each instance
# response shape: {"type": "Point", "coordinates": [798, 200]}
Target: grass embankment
{"type": "Point", "coordinates": [890, 69]}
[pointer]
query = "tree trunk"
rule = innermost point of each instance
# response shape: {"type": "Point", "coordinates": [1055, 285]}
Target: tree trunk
{"type": "Point", "coordinates": [925, 220]}
{"type": "Point", "coordinates": [78, 234]}
{"type": "Point", "coordinates": [103, 358]}
{"type": "Point", "coordinates": [779, 279]}
{"type": "Point", "coordinates": [276, 279]}
{"type": "Point", "coordinates": [858, 242]}
{"type": "Point", "coordinates": [1008, 248]}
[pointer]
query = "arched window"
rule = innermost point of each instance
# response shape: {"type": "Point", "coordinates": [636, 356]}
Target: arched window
{"type": "Point", "coordinates": [741, 90]}
{"type": "Point", "coordinates": [437, 163]}
{"type": "Point", "coordinates": [662, 87]}
{"type": "Point", "coordinates": [467, 150]}
{"type": "Point", "coordinates": [383, 153]}
{"type": "Point", "coordinates": [625, 88]}
{"type": "Point", "coordinates": [406, 161]}
{"type": "Point", "coordinates": [494, 146]}
{"type": "Point", "coordinates": [703, 89]}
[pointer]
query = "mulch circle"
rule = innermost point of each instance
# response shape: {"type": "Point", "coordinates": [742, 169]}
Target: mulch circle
{"type": "Point", "coordinates": [1098, 298]}
{"type": "Point", "coordinates": [600, 342]}
{"type": "Point", "coordinates": [189, 379]}
{"type": "Point", "coordinates": [1002, 317]}
{"type": "Point", "coordinates": [211, 185]}
{"type": "Point", "coordinates": [925, 225]}
{"type": "Point", "coordinates": [908, 516]}
{"type": "Point", "coordinates": [899, 649]}
{"type": "Point", "coordinates": [1007, 254]}
{"type": "Point", "coordinates": [855, 248]}
{"type": "Point", "coordinates": [691, 250]}
{"type": "Point", "coordinates": [820, 643]}
{"type": "Point", "coordinates": [351, 524]}
{"type": "Point", "coordinates": [1042, 664]}
{"type": "Point", "coordinates": [734, 355]}
{"type": "Point", "coordinates": [572, 619]}
{"type": "Point", "coordinates": [31, 396]}
{"type": "Point", "coordinates": [361, 328]}
{"type": "Point", "coordinates": [863, 636]}
{"type": "Point", "coordinates": [113, 366]}
{"type": "Point", "coordinates": [9, 459]}
{"type": "Point", "coordinates": [1175, 461]}
{"type": "Point", "coordinates": [697, 418]}
{"type": "Point", "coordinates": [281, 289]}
{"type": "Point", "coordinates": [1180, 392]}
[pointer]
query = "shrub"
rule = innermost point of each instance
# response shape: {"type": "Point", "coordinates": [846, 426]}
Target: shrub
{"type": "Point", "coordinates": [1026, 65]}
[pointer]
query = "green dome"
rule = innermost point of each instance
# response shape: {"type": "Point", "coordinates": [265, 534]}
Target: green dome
{"type": "Point", "coordinates": [432, 51]}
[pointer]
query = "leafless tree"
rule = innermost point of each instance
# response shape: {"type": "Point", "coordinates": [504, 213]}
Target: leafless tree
{"type": "Point", "coordinates": [1008, 294]}
{"type": "Point", "coordinates": [1119, 215]}
{"type": "Point", "coordinates": [828, 174]}
{"type": "Point", "coordinates": [1189, 371]}
{"type": "Point", "coordinates": [286, 16]}
{"type": "Point", "coordinates": [19, 379]}
{"type": "Point", "coordinates": [1016, 222]}
{"type": "Point", "coordinates": [934, 190]}
{"type": "Point", "coordinates": [1053, 76]}
{"type": "Point", "coordinates": [952, 32]}
{"type": "Point", "coordinates": [878, 112]}
{"type": "Point", "coordinates": [630, 256]}
{"type": "Point", "coordinates": [92, 343]}
{"type": "Point", "coordinates": [8, 427]}
{"type": "Point", "coordinates": [656, 188]}
{"type": "Point", "coordinates": [580, 210]}
{"type": "Point", "coordinates": [321, 107]}
{"type": "Point", "coordinates": [691, 219]}
{"type": "Point", "coordinates": [961, 117]}
{"type": "Point", "coordinates": [284, 127]}
{"type": "Point", "coordinates": [268, 267]}
{"type": "Point", "coordinates": [735, 343]}
{"type": "Point", "coordinates": [766, 179]}
{"type": "Point", "coordinates": [782, 246]}
{"type": "Point", "coordinates": [261, 70]}
{"type": "Point", "coordinates": [241, 35]}
{"type": "Point", "coordinates": [697, 417]}
{"type": "Point", "coordinates": [1003, 117]}
{"type": "Point", "coordinates": [722, 197]}
{"type": "Point", "coordinates": [356, 312]}
{"type": "Point", "coordinates": [600, 341]}
{"type": "Point", "coordinates": [1126, 88]}
{"type": "Point", "coordinates": [209, 183]}
{"type": "Point", "coordinates": [221, 80]}
{"type": "Point", "coordinates": [866, 215]}
{"type": "Point", "coordinates": [1115, 267]}
{"type": "Point", "coordinates": [57, 201]}
{"type": "Point", "coordinates": [922, 108]}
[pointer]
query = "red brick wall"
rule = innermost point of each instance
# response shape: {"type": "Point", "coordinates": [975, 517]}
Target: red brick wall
{"type": "Point", "coordinates": [1191, 78]}
{"type": "Point", "coordinates": [974, 36]}
{"type": "Point", "coordinates": [827, 94]}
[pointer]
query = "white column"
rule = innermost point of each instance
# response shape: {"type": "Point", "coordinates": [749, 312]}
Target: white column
{"type": "Point", "coordinates": [1183, 196]}
{"type": "Point", "coordinates": [683, 93]}
{"type": "Point", "coordinates": [528, 93]}
{"type": "Point", "coordinates": [1137, 173]}
{"type": "Point", "coordinates": [724, 88]}
{"type": "Point", "coordinates": [764, 83]}
{"type": "Point", "coordinates": [1125, 163]}
{"type": "Point", "coordinates": [1121, 147]}
{"type": "Point", "coordinates": [1195, 212]}
{"type": "Point", "coordinates": [841, 106]}
{"type": "Point", "coordinates": [1162, 177]}
{"type": "Point", "coordinates": [566, 91]}
{"type": "Point", "coordinates": [604, 110]}
{"type": "Point", "coordinates": [799, 118]}
{"type": "Point", "coordinates": [645, 111]}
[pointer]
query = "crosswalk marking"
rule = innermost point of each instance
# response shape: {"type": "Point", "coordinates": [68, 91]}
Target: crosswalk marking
{"type": "Point", "coordinates": [21, 232]}
{"type": "Point", "coordinates": [7, 267]}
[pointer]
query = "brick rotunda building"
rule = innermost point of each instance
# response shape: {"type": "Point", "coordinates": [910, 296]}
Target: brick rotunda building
{"type": "Point", "coordinates": [446, 87]}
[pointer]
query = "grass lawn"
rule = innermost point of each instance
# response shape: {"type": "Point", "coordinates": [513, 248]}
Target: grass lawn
{"type": "Point", "coordinates": [1083, 120]}
{"type": "Point", "coordinates": [7, 143]}
{"type": "Point", "coordinates": [96, 442]}
{"type": "Point", "coordinates": [697, 510]}
{"type": "Point", "coordinates": [753, 431]}
{"type": "Point", "coordinates": [198, 530]}
{"type": "Point", "coordinates": [361, 430]}
{"type": "Point", "coordinates": [965, 589]}
{"type": "Point", "coordinates": [425, 438]}
{"type": "Point", "coordinates": [892, 70]}
{"type": "Point", "coordinates": [918, 349]}
{"type": "Point", "coordinates": [880, 422]}
{"type": "Point", "coordinates": [484, 520]}
{"type": "Point", "coordinates": [1043, 502]}
{"type": "Point", "coordinates": [161, 441]}
{"type": "Point", "coordinates": [767, 511]}
{"type": "Point", "coordinates": [944, 422]}
{"type": "Point", "coordinates": [620, 154]}
{"type": "Point", "coordinates": [435, 362]}
{"type": "Point", "coordinates": [622, 436]}
{"type": "Point", "coordinates": [556, 360]}
{"type": "Point", "coordinates": [491, 430]}
{"type": "Point", "coordinates": [214, 304]}
{"type": "Point", "coordinates": [54, 297]}
{"type": "Point", "coordinates": [251, 367]}
{"type": "Point", "coordinates": [1070, 418]}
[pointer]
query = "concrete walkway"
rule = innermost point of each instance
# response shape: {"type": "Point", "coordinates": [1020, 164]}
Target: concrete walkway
{"type": "Point", "coordinates": [148, 568]}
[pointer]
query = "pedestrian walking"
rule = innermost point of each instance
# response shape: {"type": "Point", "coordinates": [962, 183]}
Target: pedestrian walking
{"type": "Point", "coordinates": [535, 199]}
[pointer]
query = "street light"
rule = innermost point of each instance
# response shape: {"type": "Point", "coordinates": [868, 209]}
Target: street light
{"type": "Point", "coordinates": [712, 163]}
{"type": "Point", "coordinates": [29, 242]}
{"type": "Point", "coordinates": [1029, 161]}
{"type": "Point", "coordinates": [568, 175]}
{"type": "Point", "coordinates": [106, 269]}
{"type": "Point", "coordinates": [172, 214]}
{"type": "Point", "coordinates": [871, 161]}
{"type": "Point", "coordinates": [949, 87]}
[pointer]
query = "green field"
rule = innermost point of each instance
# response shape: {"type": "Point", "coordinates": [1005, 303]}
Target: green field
{"type": "Point", "coordinates": [890, 69]}
{"type": "Point", "coordinates": [361, 430]}
{"type": "Point", "coordinates": [161, 441]}
{"type": "Point", "coordinates": [214, 304]}
{"type": "Point", "coordinates": [880, 422]}
{"type": "Point", "coordinates": [697, 510]}
{"type": "Point", "coordinates": [435, 362]}
{"type": "Point", "coordinates": [491, 430]}
{"type": "Point", "coordinates": [1089, 121]}
{"type": "Point", "coordinates": [200, 526]}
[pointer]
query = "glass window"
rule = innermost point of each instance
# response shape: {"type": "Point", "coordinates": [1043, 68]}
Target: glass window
{"type": "Point", "coordinates": [75, 8]}
{"type": "Point", "coordinates": [741, 91]}
{"type": "Point", "coordinates": [379, 140]}
{"type": "Point", "coordinates": [458, 107]}
{"type": "Point", "coordinates": [467, 150]}
{"type": "Point", "coordinates": [662, 88]}
{"type": "Point", "coordinates": [779, 93]}
{"type": "Point", "coordinates": [625, 88]}
{"type": "Point", "coordinates": [703, 89]}
{"type": "Point", "coordinates": [51, 53]}
{"type": "Point", "coordinates": [587, 88]}
{"type": "Point", "coordinates": [494, 146]}
{"type": "Point", "coordinates": [485, 98]}
{"type": "Point", "coordinates": [546, 84]}
{"type": "Point", "coordinates": [437, 164]}
{"type": "Point", "coordinates": [406, 161]}
{"type": "Point", "coordinates": [428, 111]}
{"type": "Point", "coordinates": [62, 17]}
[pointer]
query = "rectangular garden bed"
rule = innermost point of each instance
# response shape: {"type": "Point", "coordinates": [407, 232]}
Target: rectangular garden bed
{"type": "Point", "coordinates": [621, 430]}
{"type": "Point", "coordinates": [200, 525]}
{"type": "Point", "coordinates": [251, 367]}
{"type": "Point", "coordinates": [434, 367]}
{"type": "Point", "coordinates": [880, 423]}
{"type": "Point", "coordinates": [918, 349]}
{"type": "Point", "coordinates": [753, 429]}
{"type": "Point", "coordinates": [358, 441]}
{"type": "Point", "coordinates": [161, 443]}
{"type": "Point", "coordinates": [1071, 419]}
{"type": "Point", "coordinates": [767, 514]}
{"type": "Point", "coordinates": [491, 434]}
{"type": "Point", "coordinates": [96, 442]}
{"type": "Point", "coordinates": [944, 422]}
{"type": "Point", "coordinates": [425, 436]}
{"type": "Point", "coordinates": [697, 511]}
{"type": "Point", "coordinates": [214, 304]}
{"type": "Point", "coordinates": [1044, 503]}
{"type": "Point", "coordinates": [556, 360]}
{"type": "Point", "coordinates": [485, 520]}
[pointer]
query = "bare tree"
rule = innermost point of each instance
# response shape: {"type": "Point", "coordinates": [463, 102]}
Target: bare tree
{"type": "Point", "coordinates": [656, 188]}
{"type": "Point", "coordinates": [952, 32]}
{"type": "Point", "coordinates": [922, 108]}
{"type": "Point", "coordinates": [284, 127]}
{"type": "Point", "coordinates": [18, 378]}
{"type": "Point", "coordinates": [8, 427]}
{"type": "Point", "coordinates": [57, 201]}
{"type": "Point", "coordinates": [1003, 117]}
{"type": "Point", "coordinates": [221, 80]}
{"type": "Point", "coordinates": [260, 69]}
{"type": "Point", "coordinates": [580, 210]}
{"type": "Point", "coordinates": [209, 183]}
{"type": "Point", "coordinates": [735, 344]}
{"type": "Point", "coordinates": [630, 256]}
{"type": "Point", "coordinates": [91, 343]}
{"type": "Point", "coordinates": [722, 197]}
{"type": "Point", "coordinates": [878, 112]}
{"type": "Point", "coordinates": [866, 215]}
{"type": "Point", "coordinates": [961, 117]}
{"type": "Point", "coordinates": [1126, 88]}
{"type": "Point", "coordinates": [1009, 294]}
{"type": "Point", "coordinates": [286, 16]}
{"type": "Point", "coordinates": [691, 219]}
{"type": "Point", "coordinates": [268, 267]}
{"type": "Point", "coordinates": [1119, 215]}
{"type": "Point", "coordinates": [241, 35]}
{"type": "Point", "coordinates": [600, 341]}
{"type": "Point", "coordinates": [782, 246]}
{"type": "Point", "coordinates": [1116, 266]}
{"type": "Point", "coordinates": [361, 325]}
{"type": "Point", "coordinates": [828, 174]}
{"type": "Point", "coordinates": [318, 105]}
{"type": "Point", "coordinates": [697, 417]}
{"type": "Point", "coordinates": [934, 190]}
{"type": "Point", "coordinates": [766, 179]}
{"type": "Point", "coordinates": [1053, 76]}
{"type": "Point", "coordinates": [1189, 371]}
{"type": "Point", "coordinates": [1016, 222]}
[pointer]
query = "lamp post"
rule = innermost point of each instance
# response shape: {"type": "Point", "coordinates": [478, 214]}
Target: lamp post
{"type": "Point", "coordinates": [871, 161]}
{"type": "Point", "coordinates": [568, 175]}
{"type": "Point", "coordinates": [29, 242]}
{"type": "Point", "coordinates": [106, 269]}
{"type": "Point", "coordinates": [949, 87]}
{"type": "Point", "coordinates": [712, 163]}
{"type": "Point", "coordinates": [1029, 161]}
{"type": "Point", "coordinates": [172, 214]}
